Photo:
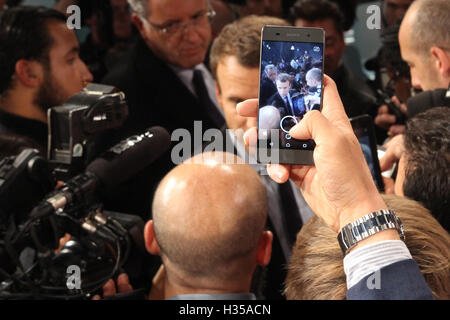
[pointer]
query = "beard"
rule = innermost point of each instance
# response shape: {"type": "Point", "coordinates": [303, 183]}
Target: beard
{"type": "Point", "coordinates": [49, 93]}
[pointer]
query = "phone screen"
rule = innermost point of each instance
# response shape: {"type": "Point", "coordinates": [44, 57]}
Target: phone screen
{"type": "Point", "coordinates": [290, 86]}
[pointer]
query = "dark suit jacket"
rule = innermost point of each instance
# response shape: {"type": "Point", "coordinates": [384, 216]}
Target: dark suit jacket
{"type": "Point", "coordinates": [297, 101]}
{"type": "Point", "coordinates": [398, 281]}
{"type": "Point", "coordinates": [268, 89]}
{"type": "Point", "coordinates": [156, 97]}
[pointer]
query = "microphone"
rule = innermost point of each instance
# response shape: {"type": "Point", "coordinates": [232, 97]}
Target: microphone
{"type": "Point", "coordinates": [117, 165]}
{"type": "Point", "coordinates": [427, 100]}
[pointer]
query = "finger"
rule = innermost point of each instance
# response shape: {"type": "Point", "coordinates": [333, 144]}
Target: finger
{"type": "Point", "coordinates": [248, 108]}
{"type": "Point", "coordinates": [385, 119]}
{"type": "Point", "coordinates": [332, 104]}
{"type": "Point", "coordinates": [109, 288]}
{"type": "Point", "coordinates": [396, 130]}
{"type": "Point", "coordinates": [278, 172]}
{"type": "Point", "coordinates": [383, 109]}
{"type": "Point", "coordinates": [388, 185]}
{"type": "Point", "coordinates": [388, 160]}
{"type": "Point", "coordinates": [96, 297]}
{"type": "Point", "coordinates": [63, 241]}
{"type": "Point", "coordinates": [250, 137]}
{"type": "Point", "coordinates": [123, 283]}
{"type": "Point", "coordinates": [402, 106]}
{"type": "Point", "coordinates": [313, 126]}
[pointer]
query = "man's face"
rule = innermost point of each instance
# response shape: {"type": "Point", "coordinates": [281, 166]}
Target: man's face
{"type": "Point", "coordinates": [121, 19]}
{"type": "Point", "coordinates": [236, 83]}
{"type": "Point", "coordinates": [311, 82]}
{"type": "Point", "coordinates": [334, 42]}
{"type": "Point", "coordinates": [424, 74]}
{"type": "Point", "coordinates": [395, 9]}
{"type": "Point", "coordinates": [272, 74]}
{"type": "Point", "coordinates": [283, 88]}
{"type": "Point", "coordinates": [66, 73]}
{"type": "Point", "coordinates": [186, 48]}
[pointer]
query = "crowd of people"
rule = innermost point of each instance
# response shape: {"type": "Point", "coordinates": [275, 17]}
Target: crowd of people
{"type": "Point", "coordinates": [221, 230]}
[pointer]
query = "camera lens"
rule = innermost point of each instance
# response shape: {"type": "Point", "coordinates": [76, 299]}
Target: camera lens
{"type": "Point", "coordinates": [278, 33]}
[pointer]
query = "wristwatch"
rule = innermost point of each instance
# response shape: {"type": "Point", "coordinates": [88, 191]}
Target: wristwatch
{"type": "Point", "coordinates": [368, 225]}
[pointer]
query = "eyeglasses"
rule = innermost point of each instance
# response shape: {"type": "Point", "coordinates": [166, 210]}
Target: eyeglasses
{"type": "Point", "coordinates": [198, 20]}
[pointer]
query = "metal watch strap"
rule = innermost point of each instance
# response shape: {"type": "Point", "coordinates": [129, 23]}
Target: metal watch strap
{"type": "Point", "coordinates": [368, 225]}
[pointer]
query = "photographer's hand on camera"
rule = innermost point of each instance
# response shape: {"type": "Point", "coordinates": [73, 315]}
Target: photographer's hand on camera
{"type": "Point", "coordinates": [110, 288]}
{"type": "Point", "coordinates": [339, 188]}
{"type": "Point", "coordinates": [388, 121]}
{"type": "Point", "coordinates": [394, 150]}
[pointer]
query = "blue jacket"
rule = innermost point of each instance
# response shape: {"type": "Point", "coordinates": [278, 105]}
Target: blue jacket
{"type": "Point", "coordinates": [398, 281]}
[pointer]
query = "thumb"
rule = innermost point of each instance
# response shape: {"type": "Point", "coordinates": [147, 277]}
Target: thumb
{"type": "Point", "coordinates": [313, 126]}
{"type": "Point", "coordinates": [402, 106]}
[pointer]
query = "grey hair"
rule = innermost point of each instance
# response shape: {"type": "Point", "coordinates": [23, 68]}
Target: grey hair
{"type": "Point", "coordinates": [140, 7]}
{"type": "Point", "coordinates": [431, 25]}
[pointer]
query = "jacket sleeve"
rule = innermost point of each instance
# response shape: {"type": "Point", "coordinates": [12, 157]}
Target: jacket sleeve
{"type": "Point", "coordinates": [401, 280]}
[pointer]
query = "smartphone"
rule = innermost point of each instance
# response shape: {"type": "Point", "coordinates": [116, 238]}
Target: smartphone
{"type": "Point", "coordinates": [291, 84]}
{"type": "Point", "coordinates": [365, 132]}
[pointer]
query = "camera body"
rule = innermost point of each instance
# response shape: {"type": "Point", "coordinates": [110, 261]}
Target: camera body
{"type": "Point", "coordinates": [24, 181]}
{"type": "Point", "coordinates": [74, 126]}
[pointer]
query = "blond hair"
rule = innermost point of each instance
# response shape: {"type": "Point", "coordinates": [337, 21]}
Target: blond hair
{"type": "Point", "coordinates": [316, 268]}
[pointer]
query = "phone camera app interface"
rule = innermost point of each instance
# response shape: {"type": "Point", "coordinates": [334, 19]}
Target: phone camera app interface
{"type": "Point", "coordinates": [291, 86]}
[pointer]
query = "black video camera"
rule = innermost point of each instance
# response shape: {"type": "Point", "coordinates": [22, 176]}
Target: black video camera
{"type": "Point", "coordinates": [74, 126]}
{"type": "Point", "coordinates": [101, 241]}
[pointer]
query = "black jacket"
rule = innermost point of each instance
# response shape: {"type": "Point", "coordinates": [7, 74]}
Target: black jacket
{"type": "Point", "coordinates": [156, 97]}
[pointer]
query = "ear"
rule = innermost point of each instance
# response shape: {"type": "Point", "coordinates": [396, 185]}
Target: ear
{"type": "Point", "coordinates": [29, 73]}
{"type": "Point", "coordinates": [218, 94]}
{"type": "Point", "coordinates": [442, 61]}
{"type": "Point", "coordinates": [150, 240]}
{"type": "Point", "coordinates": [264, 249]}
{"type": "Point", "coordinates": [139, 24]}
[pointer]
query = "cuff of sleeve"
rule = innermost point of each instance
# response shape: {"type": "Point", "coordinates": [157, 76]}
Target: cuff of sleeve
{"type": "Point", "coordinates": [364, 261]}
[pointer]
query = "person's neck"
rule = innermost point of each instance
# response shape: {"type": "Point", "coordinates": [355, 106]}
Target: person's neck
{"type": "Point", "coordinates": [20, 103]}
{"type": "Point", "coordinates": [176, 288]}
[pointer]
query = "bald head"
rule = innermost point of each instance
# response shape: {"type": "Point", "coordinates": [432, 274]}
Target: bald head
{"type": "Point", "coordinates": [427, 24]}
{"type": "Point", "coordinates": [425, 43]}
{"type": "Point", "coordinates": [209, 216]}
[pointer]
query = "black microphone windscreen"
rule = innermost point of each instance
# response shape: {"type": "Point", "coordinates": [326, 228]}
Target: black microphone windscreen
{"type": "Point", "coordinates": [130, 156]}
{"type": "Point", "coordinates": [427, 100]}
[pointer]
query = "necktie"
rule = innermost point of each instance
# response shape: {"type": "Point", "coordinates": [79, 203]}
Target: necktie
{"type": "Point", "coordinates": [286, 100]}
{"type": "Point", "coordinates": [209, 108]}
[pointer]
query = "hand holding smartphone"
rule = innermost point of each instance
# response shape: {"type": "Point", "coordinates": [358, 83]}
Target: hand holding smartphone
{"type": "Point", "coordinates": [291, 83]}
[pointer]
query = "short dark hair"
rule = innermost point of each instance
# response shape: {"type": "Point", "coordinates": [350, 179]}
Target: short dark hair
{"type": "Point", "coordinates": [284, 77]}
{"type": "Point", "coordinates": [312, 10]}
{"type": "Point", "coordinates": [24, 34]}
{"type": "Point", "coordinates": [427, 147]}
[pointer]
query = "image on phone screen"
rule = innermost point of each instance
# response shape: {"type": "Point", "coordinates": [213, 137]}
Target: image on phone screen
{"type": "Point", "coordinates": [290, 86]}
